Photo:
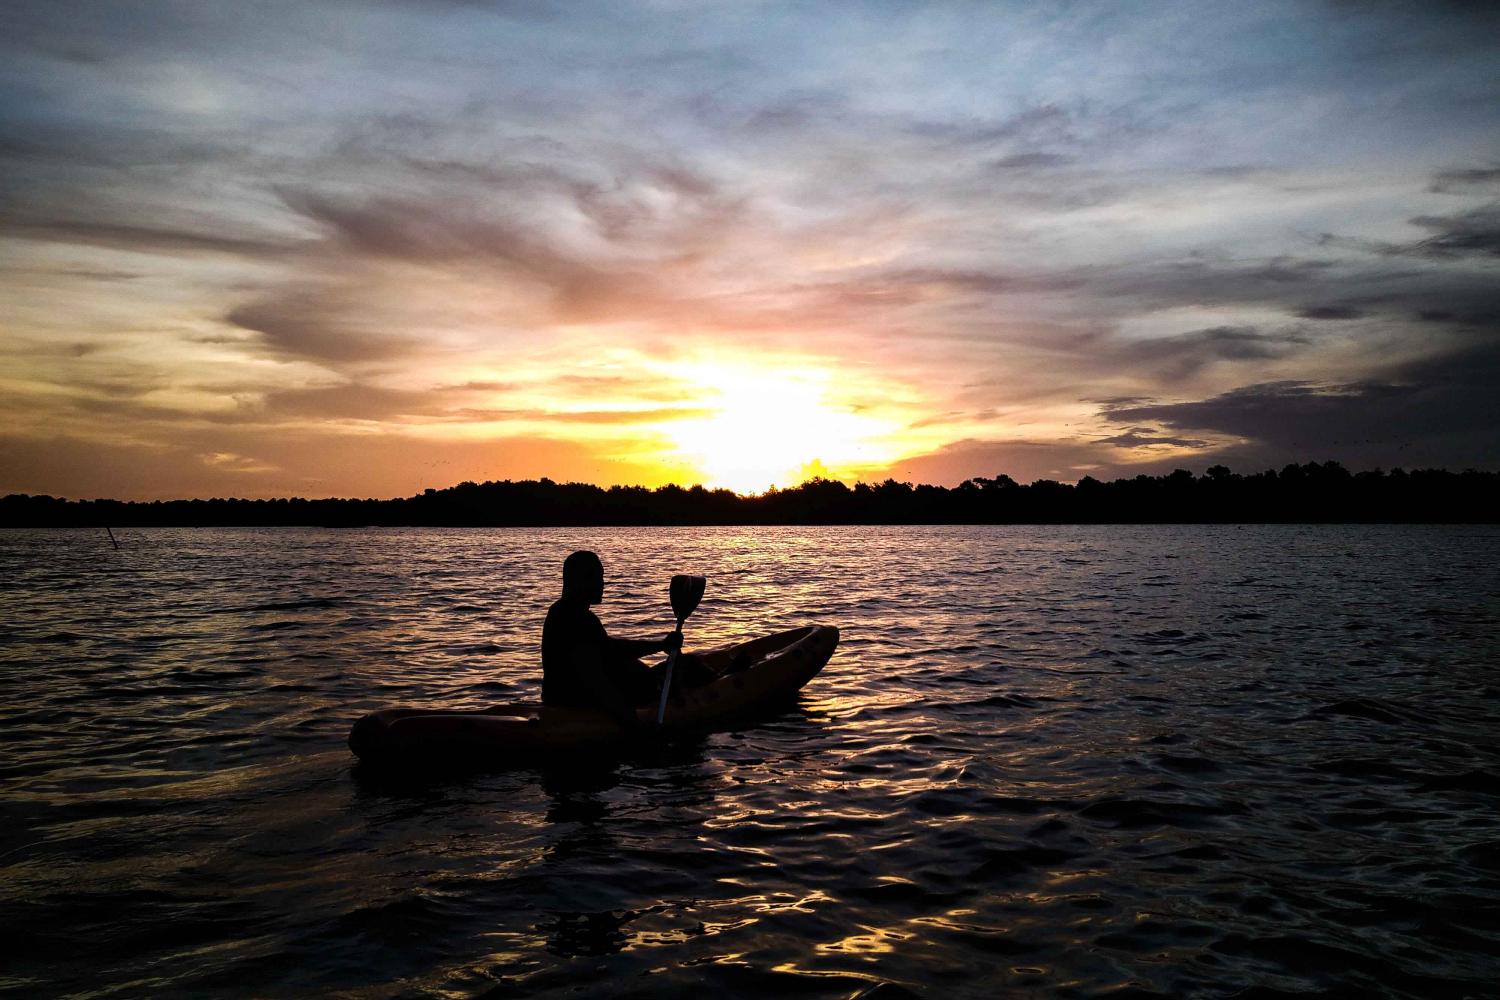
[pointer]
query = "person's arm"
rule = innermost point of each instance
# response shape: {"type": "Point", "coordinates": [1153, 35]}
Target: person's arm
{"type": "Point", "coordinates": [636, 648]}
{"type": "Point", "coordinates": [588, 662]}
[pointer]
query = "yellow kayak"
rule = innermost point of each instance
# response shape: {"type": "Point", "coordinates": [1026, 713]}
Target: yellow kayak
{"type": "Point", "coordinates": [753, 677]}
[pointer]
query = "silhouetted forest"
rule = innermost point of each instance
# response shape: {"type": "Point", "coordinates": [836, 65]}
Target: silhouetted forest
{"type": "Point", "coordinates": [1313, 492]}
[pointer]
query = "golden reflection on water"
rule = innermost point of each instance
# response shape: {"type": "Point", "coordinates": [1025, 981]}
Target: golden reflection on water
{"type": "Point", "coordinates": [873, 941]}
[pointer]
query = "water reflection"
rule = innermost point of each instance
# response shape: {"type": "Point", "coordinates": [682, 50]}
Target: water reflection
{"type": "Point", "coordinates": [577, 792]}
{"type": "Point", "coordinates": [1044, 761]}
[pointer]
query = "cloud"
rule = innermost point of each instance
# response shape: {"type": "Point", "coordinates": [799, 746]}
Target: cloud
{"type": "Point", "coordinates": [1024, 460]}
{"type": "Point", "coordinates": [1464, 235]}
{"type": "Point", "coordinates": [1471, 318]}
{"type": "Point", "coordinates": [1146, 437]}
{"type": "Point", "coordinates": [319, 324]}
{"type": "Point", "coordinates": [228, 461]}
{"type": "Point", "coordinates": [296, 463]}
{"type": "Point", "coordinates": [1472, 233]}
{"type": "Point", "coordinates": [620, 417]}
{"type": "Point", "coordinates": [465, 403]}
{"type": "Point", "coordinates": [1465, 181]}
{"type": "Point", "coordinates": [526, 213]}
{"type": "Point", "coordinates": [351, 401]}
{"type": "Point", "coordinates": [598, 252]}
{"type": "Point", "coordinates": [434, 230]}
{"type": "Point", "coordinates": [1439, 410]}
{"type": "Point", "coordinates": [1329, 312]}
{"type": "Point", "coordinates": [145, 238]}
{"type": "Point", "coordinates": [1197, 279]}
{"type": "Point", "coordinates": [1030, 161]}
{"type": "Point", "coordinates": [1186, 354]}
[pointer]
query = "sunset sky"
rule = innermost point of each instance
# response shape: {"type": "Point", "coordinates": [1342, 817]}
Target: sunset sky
{"type": "Point", "coordinates": [262, 249]}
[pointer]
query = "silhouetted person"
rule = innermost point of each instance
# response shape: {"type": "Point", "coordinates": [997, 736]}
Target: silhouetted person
{"type": "Point", "coordinates": [583, 667]}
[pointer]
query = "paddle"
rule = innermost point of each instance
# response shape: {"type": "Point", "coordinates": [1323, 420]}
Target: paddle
{"type": "Point", "coordinates": [686, 592]}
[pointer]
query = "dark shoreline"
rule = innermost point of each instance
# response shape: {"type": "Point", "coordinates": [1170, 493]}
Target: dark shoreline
{"type": "Point", "coordinates": [1313, 493]}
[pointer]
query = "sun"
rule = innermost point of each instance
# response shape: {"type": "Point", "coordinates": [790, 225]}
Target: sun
{"type": "Point", "coordinates": [775, 426]}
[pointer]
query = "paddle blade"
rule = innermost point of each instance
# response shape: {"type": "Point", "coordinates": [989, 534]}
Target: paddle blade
{"type": "Point", "coordinates": [686, 592]}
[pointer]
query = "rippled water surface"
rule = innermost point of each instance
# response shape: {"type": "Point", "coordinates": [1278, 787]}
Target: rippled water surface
{"type": "Point", "coordinates": [1073, 761]}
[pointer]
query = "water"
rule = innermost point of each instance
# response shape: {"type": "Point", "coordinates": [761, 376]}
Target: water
{"type": "Point", "coordinates": [1055, 761]}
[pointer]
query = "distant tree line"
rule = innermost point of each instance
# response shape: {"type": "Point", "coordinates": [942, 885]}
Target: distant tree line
{"type": "Point", "coordinates": [1315, 492]}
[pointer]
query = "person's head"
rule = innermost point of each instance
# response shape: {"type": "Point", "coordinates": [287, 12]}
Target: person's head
{"type": "Point", "coordinates": [583, 577]}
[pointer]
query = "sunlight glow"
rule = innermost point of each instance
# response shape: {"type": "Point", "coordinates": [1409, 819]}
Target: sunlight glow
{"type": "Point", "coordinates": [777, 426]}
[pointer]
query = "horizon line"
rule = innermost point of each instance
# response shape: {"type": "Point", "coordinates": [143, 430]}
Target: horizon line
{"type": "Point", "coordinates": [773, 489]}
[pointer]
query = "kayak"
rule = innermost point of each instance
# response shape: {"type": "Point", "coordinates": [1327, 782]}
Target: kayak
{"type": "Point", "coordinates": [753, 677]}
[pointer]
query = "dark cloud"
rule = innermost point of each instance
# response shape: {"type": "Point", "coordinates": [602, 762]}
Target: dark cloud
{"type": "Point", "coordinates": [1188, 353]}
{"type": "Point", "coordinates": [316, 324]}
{"type": "Point", "coordinates": [972, 280]}
{"type": "Point", "coordinates": [58, 146]}
{"type": "Point", "coordinates": [1442, 410]}
{"type": "Point", "coordinates": [793, 112]}
{"type": "Point", "coordinates": [1030, 161]}
{"type": "Point", "coordinates": [1290, 413]}
{"type": "Point", "coordinates": [1472, 233]}
{"type": "Point", "coordinates": [459, 229]}
{"type": "Point", "coordinates": [1281, 282]}
{"type": "Point", "coordinates": [77, 55]}
{"type": "Point", "coordinates": [144, 238]}
{"type": "Point", "coordinates": [519, 10]}
{"type": "Point", "coordinates": [517, 214]}
{"type": "Point", "coordinates": [875, 294]}
{"type": "Point", "coordinates": [431, 231]}
{"type": "Point", "coordinates": [110, 275]}
{"type": "Point", "coordinates": [361, 401]}
{"type": "Point", "coordinates": [1466, 181]}
{"type": "Point", "coordinates": [949, 417]}
{"type": "Point", "coordinates": [486, 385]}
{"type": "Point", "coordinates": [1284, 270]}
{"type": "Point", "coordinates": [1146, 437]}
{"type": "Point", "coordinates": [1329, 312]}
{"type": "Point", "coordinates": [1023, 460]}
{"type": "Point", "coordinates": [1318, 290]}
{"type": "Point", "coordinates": [1073, 310]}
{"type": "Point", "coordinates": [1464, 319]}
{"type": "Point", "coordinates": [354, 400]}
{"type": "Point", "coordinates": [1046, 124]}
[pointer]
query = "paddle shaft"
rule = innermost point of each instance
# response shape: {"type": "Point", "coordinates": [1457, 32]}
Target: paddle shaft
{"type": "Point", "coordinates": [666, 684]}
{"type": "Point", "coordinates": [685, 592]}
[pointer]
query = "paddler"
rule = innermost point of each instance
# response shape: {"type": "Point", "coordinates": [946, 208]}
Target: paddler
{"type": "Point", "coordinates": [584, 667]}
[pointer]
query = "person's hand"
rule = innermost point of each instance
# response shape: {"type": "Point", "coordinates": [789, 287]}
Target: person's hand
{"type": "Point", "coordinates": [673, 642]}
